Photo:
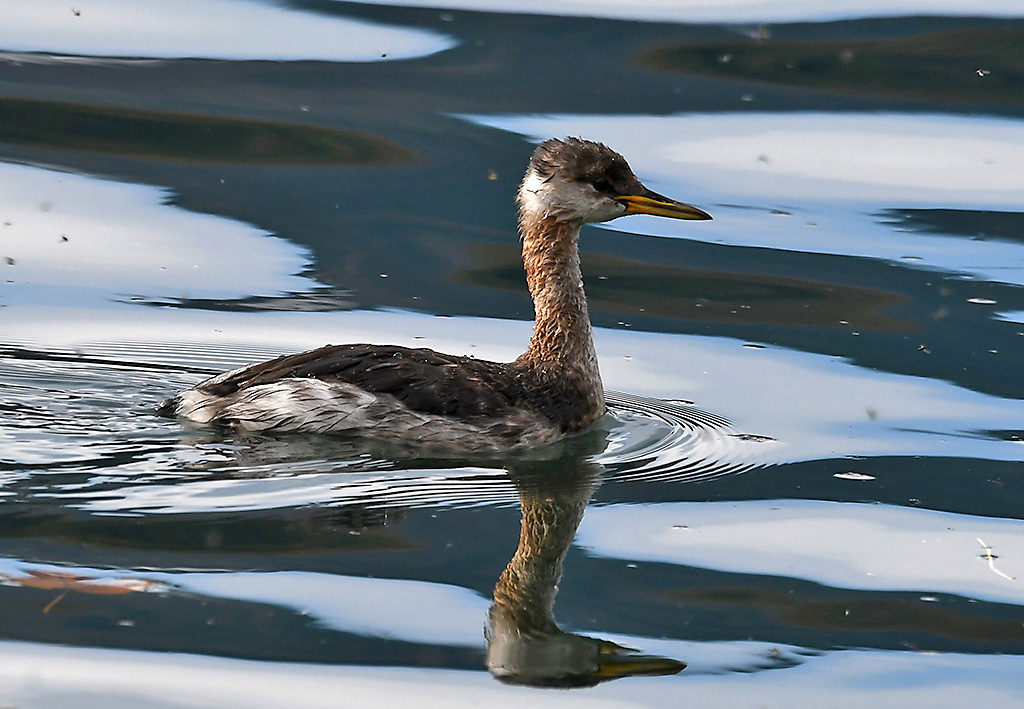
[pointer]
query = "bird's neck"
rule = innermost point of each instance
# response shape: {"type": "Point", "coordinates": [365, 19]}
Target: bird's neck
{"type": "Point", "coordinates": [563, 342]}
{"type": "Point", "coordinates": [525, 593]}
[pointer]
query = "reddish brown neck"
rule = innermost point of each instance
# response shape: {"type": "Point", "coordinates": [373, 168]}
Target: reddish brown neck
{"type": "Point", "coordinates": [561, 329]}
{"type": "Point", "coordinates": [563, 342]}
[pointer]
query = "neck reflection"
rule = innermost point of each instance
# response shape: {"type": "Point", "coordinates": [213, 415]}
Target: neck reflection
{"type": "Point", "coordinates": [524, 643]}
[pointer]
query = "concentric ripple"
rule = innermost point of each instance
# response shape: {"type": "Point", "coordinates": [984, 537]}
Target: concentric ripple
{"type": "Point", "coordinates": [659, 440]}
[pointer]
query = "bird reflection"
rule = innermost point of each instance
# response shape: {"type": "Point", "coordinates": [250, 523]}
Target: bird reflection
{"type": "Point", "coordinates": [524, 643]}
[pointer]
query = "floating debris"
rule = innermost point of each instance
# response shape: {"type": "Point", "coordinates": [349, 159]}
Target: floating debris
{"type": "Point", "coordinates": [850, 475]}
{"type": "Point", "coordinates": [66, 582]}
{"type": "Point", "coordinates": [991, 560]}
{"type": "Point", "coordinates": [752, 437]}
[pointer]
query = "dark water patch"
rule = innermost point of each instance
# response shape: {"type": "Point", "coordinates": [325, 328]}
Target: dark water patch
{"type": "Point", "coordinates": [195, 139]}
{"type": "Point", "coordinates": [50, 355]}
{"type": "Point", "coordinates": [919, 621]}
{"type": "Point", "coordinates": [316, 300]}
{"type": "Point", "coordinates": [213, 626]}
{"type": "Point", "coordinates": [1015, 436]}
{"type": "Point", "coordinates": [990, 488]}
{"type": "Point", "coordinates": [218, 539]}
{"type": "Point", "coordinates": [714, 606]}
{"type": "Point", "coordinates": [643, 290]}
{"type": "Point", "coordinates": [184, 362]}
{"type": "Point", "coordinates": [980, 224]}
{"type": "Point", "coordinates": [960, 65]}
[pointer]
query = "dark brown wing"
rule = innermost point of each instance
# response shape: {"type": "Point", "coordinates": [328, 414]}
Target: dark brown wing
{"type": "Point", "coordinates": [422, 379]}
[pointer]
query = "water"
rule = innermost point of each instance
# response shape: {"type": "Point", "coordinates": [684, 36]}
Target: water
{"type": "Point", "coordinates": [809, 485]}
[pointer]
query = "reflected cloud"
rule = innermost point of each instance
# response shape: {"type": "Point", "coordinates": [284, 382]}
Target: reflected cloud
{"type": "Point", "coordinates": [845, 545]}
{"type": "Point", "coordinates": [819, 406]}
{"type": "Point", "coordinates": [205, 29]}
{"type": "Point", "coordinates": [409, 611]}
{"type": "Point", "coordinates": [74, 238]}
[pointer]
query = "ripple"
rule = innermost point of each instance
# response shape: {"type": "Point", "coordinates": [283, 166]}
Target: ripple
{"type": "Point", "coordinates": [658, 440]}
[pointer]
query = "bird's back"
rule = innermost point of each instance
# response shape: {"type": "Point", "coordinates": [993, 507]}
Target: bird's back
{"type": "Point", "coordinates": [387, 390]}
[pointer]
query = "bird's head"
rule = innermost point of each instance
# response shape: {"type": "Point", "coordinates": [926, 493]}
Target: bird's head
{"type": "Point", "coordinates": [575, 180]}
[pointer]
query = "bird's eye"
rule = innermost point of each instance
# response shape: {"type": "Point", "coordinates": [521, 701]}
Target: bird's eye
{"type": "Point", "coordinates": [601, 184]}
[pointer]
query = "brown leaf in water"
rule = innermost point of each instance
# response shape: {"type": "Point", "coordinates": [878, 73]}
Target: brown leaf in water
{"type": "Point", "coordinates": [65, 582]}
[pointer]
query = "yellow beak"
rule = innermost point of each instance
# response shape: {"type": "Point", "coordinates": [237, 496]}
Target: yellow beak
{"type": "Point", "coordinates": [659, 206]}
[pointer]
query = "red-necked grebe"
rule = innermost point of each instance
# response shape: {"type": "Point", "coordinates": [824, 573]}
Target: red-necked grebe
{"type": "Point", "coordinates": [385, 391]}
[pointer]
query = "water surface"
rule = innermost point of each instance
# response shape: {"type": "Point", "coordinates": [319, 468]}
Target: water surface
{"type": "Point", "coordinates": [808, 488]}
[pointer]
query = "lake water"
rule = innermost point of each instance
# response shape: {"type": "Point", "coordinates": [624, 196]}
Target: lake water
{"type": "Point", "coordinates": [809, 488]}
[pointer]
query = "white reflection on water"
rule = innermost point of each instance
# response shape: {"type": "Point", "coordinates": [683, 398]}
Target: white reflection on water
{"type": "Point", "coordinates": [730, 10]}
{"type": "Point", "coordinates": [816, 182]}
{"type": "Point", "coordinates": [820, 406]}
{"type": "Point", "coordinates": [52, 677]}
{"type": "Point", "coordinates": [411, 611]}
{"type": "Point", "coordinates": [207, 29]}
{"type": "Point", "coordinates": [73, 237]}
{"type": "Point", "coordinates": [845, 545]}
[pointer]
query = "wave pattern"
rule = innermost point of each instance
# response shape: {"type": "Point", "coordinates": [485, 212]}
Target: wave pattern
{"type": "Point", "coordinates": [670, 441]}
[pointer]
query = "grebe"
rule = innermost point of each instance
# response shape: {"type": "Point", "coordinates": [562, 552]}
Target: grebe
{"type": "Point", "coordinates": [385, 391]}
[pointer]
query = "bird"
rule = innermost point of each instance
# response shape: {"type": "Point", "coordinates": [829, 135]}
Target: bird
{"type": "Point", "coordinates": [420, 396]}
